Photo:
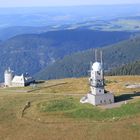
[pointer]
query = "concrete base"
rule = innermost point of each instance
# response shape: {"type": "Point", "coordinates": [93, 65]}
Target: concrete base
{"type": "Point", "coordinates": [101, 99]}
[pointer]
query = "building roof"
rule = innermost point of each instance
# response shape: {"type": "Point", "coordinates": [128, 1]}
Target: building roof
{"type": "Point", "coordinates": [18, 79]}
{"type": "Point", "coordinates": [22, 79]}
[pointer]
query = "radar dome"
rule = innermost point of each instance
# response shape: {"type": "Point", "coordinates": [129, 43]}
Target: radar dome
{"type": "Point", "coordinates": [97, 66]}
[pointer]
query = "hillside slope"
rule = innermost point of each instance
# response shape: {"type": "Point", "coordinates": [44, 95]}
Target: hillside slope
{"type": "Point", "coordinates": [31, 53]}
{"type": "Point", "coordinates": [128, 69]}
{"type": "Point", "coordinates": [78, 64]}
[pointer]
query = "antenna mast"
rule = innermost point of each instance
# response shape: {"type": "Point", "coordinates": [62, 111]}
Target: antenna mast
{"type": "Point", "coordinates": [101, 55]}
{"type": "Point", "coordinates": [95, 55]}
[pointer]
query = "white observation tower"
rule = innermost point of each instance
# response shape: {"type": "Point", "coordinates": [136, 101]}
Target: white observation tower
{"type": "Point", "coordinates": [97, 95]}
{"type": "Point", "coordinates": [8, 77]}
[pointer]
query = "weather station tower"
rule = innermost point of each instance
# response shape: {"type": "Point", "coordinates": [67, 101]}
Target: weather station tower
{"type": "Point", "coordinates": [97, 95]}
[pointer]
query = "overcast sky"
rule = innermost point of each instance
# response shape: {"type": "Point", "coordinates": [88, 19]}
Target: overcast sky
{"type": "Point", "coordinates": [24, 3]}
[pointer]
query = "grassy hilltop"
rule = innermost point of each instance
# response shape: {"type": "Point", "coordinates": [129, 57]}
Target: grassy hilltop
{"type": "Point", "coordinates": [55, 112]}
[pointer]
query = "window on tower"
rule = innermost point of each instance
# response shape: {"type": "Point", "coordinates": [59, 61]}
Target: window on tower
{"type": "Point", "coordinates": [98, 73]}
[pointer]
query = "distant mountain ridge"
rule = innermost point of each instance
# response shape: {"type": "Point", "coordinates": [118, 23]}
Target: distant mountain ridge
{"type": "Point", "coordinates": [130, 24]}
{"type": "Point", "coordinates": [8, 32]}
{"type": "Point", "coordinates": [32, 52]}
{"type": "Point", "coordinates": [78, 64]}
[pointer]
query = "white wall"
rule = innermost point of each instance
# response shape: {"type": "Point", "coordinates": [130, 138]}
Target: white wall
{"type": "Point", "coordinates": [17, 84]}
{"type": "Point", "coordinates": [106, 98]}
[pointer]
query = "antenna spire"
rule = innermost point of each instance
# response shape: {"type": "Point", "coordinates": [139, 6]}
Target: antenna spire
{"type": "Point", "coordinates": [95, 55]}
{"type": "Point", "coordinates": [90, 65]}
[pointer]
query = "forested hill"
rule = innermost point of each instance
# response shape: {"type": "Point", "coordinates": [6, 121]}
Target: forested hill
{"type": "Point", "coordinates": [33, 52]}
{"type": "Point", "coordinates": [78, 64]}
{"type": "Point", "coordinates": [128, 69]}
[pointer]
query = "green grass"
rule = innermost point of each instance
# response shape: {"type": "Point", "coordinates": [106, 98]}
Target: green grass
{"type": "Point", "coordinates": [98, 114]}
{"type": "Point", "coordinates": [71, 108]}
{"type": "Point", "coordinates": [95, 113]}
{"type": "Point", "coordinates": [57, 105]}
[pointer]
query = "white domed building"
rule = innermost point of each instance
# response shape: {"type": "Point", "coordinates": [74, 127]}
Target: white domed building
{"type": "Point", "coordinates": [11, 80]}
{"type": "Point", "coordinates": [97, 95]}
